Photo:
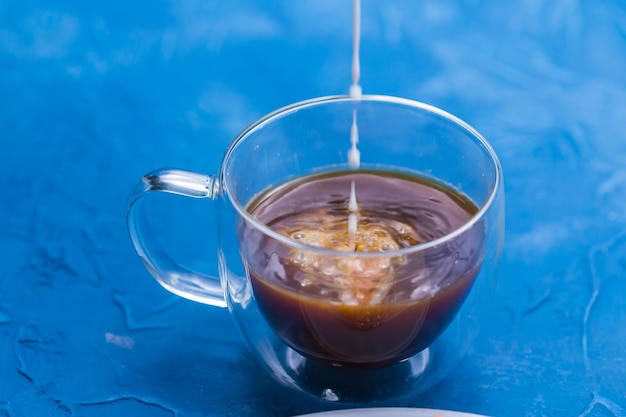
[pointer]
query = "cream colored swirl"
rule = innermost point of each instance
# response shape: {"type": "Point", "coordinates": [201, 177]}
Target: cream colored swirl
{"type": "Point", "coordinates": [358, 280]}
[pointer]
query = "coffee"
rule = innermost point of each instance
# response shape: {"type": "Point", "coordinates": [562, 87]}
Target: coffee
{"type": "Point", "coordinates": [364, 299]}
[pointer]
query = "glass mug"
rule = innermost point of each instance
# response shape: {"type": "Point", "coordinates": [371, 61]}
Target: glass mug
{"type": "Point", "coordinates": [339, 323]}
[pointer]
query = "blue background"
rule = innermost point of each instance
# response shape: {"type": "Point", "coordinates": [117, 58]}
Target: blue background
{"type": "Point", "coordinates": [93, 94]}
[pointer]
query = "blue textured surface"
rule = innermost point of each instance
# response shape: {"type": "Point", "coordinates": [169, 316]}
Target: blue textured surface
{"type": "Point", "coordinates": [95, 94]}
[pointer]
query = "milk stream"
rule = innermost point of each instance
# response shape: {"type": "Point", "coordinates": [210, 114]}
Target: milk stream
{"type": "Point", "coordinates": [353, 219]}
{"type": "Point", "coordinates": [354, 155]}
{"type": "Point", "coordinates": [355, 88]}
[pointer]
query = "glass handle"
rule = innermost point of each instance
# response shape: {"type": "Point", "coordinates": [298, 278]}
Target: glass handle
{"type": "Point", "coordinates": [170, 274]}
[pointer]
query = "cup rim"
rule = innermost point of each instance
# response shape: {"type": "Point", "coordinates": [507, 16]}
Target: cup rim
{"type": "Point", "coordinates": [442, 240]}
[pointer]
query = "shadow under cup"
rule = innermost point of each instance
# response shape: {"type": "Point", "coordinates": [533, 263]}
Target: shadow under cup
{"type": "Point", "coordinates": [410, 338]}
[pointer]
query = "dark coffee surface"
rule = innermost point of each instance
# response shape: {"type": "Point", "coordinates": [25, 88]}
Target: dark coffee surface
{"type": "Point", "coordinates": [353, 310]}
{"type": "Point", "coordinates": [412, 209]}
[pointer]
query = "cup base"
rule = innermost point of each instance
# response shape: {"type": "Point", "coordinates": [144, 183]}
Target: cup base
{"type": "Point", "coordinates": [335, 384]}
{"type": "Point", "coordinates": [328, 383]}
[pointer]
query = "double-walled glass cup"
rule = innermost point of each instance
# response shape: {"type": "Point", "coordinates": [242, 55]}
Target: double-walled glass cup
{"type": "Point", "coordinates": [343, 325]}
